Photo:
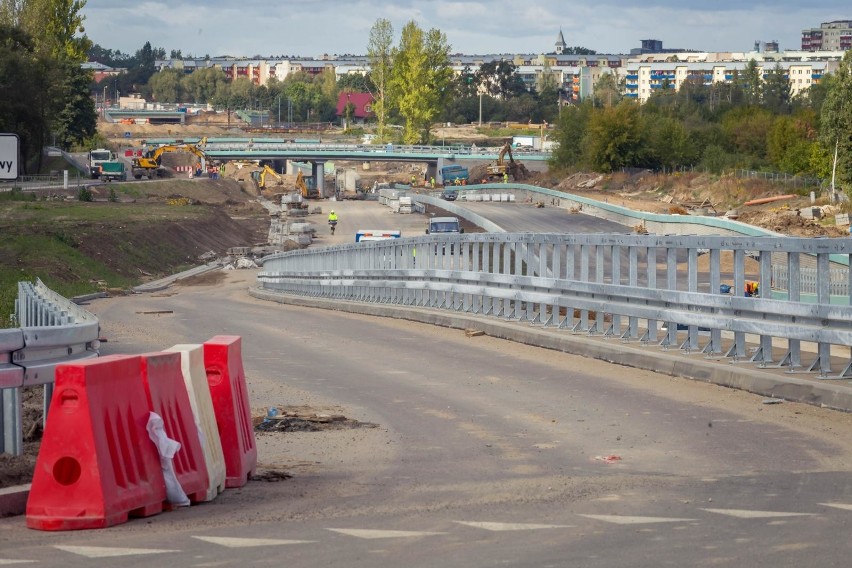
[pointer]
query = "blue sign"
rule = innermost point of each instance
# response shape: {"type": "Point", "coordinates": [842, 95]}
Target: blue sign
{"type": "Point", "coordinates": [127, 134]}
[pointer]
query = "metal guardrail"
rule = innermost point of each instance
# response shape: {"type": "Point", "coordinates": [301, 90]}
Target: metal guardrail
{"type": "Point", "coordinates": [53, 331]}
{"type": "Point", "coordinates": [614, 285]}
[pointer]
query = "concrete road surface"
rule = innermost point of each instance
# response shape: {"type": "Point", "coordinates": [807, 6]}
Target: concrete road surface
{"type": "Point", "coordinates": [484, 453]}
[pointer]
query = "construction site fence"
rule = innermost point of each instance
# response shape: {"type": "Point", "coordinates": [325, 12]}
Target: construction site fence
{"type": "Point", "coordinates": [53, 330]}
{"type": "Point", "coordinates": [672, 291]}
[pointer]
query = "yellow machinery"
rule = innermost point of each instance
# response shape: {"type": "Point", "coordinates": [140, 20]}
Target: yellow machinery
{"type": "Point", "coordinates": [149, 165]}
{"type": "Point", "coordinates": [305, 187]}
{"type": "Point", "coordinates": [260, 176]}
{"type": "Point", "coordinates": [501, 167]}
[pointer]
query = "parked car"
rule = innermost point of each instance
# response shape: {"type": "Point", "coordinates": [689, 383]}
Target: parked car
{"type": "Point", "coordinates": [449, 194]}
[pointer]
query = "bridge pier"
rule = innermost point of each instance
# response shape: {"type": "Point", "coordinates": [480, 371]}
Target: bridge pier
{"type": "Point", "coordinates": [318, 171]}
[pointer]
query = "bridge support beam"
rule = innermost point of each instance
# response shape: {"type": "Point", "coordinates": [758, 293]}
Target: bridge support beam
{"type": "Point", "coordinates": [318, 172]}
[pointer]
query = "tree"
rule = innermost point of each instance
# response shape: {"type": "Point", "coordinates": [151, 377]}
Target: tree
{"type": "Point", "coordinates": [836, 123]}
{"type": "Point", "coordinates": [53, 25]}
{"type": "Point", "coordinates": [614, 138]}
{"type": "Point", "coordinates": [24, 82]}
{"type": "Point", "coordinates": [570, 133]}
{"type": "Point", "coordinates": [500, 79]}
{"type": "Point", "coordinates": [201, 85]}
{"type": "Point", "coordinates": [76, 119]}
{"type": "Point", "coordinates": [409, 88]}
{"type": "Point", "coordinates": [608, 90]}
{"type": "Point", "coordinates": [379, 53]}
{"type": "Point", "coordinates": [776, 91]}
{"type": "Point", "coordinates": [420, 79]}
{"type": "Point", "coordinates": [166, 86]}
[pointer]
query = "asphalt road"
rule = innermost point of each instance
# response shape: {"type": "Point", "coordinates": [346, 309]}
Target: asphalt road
{"type": "Point", "coordinates": [487, 453]}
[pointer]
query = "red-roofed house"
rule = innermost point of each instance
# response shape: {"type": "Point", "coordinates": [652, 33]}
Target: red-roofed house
{"type": "Point", "coordinates": [363, 103]}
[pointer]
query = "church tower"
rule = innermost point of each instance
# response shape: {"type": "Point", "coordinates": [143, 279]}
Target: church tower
{"type": "Point", "coordinates": [560, 43]}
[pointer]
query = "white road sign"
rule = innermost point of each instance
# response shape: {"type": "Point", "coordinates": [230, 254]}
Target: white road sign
{"type": "Point", "coordinates": [9, 156]}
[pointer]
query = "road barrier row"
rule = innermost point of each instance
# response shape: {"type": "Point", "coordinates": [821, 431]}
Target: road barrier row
{"type": "Point", "coordinates": [133, 435]}
{"type": "Point", "coordinates": [670, 290]}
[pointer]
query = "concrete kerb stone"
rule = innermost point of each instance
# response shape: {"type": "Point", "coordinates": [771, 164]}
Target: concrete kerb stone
{"type": "Point", "coordinates": [766, 382]}
{"type": "Point", "coordinates": [13, 500]}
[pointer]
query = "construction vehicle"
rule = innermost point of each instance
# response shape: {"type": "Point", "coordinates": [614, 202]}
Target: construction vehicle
{"type": "Point", "coordinates": [501, 167]}
{"type": "Point", "coordinates": [98, 157]}
{"type": "Point", "coordinates": [113, 170]}
{"type": "Point", "coordinates": [306, 186]}
{"type": "Point", "coordinates": [259, 176]}
{"type": "Point", "coordinates": [149, 165]}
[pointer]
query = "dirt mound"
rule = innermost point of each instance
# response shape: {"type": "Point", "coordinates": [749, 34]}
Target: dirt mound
{"type": "Point", "coordinates": [790, 222]}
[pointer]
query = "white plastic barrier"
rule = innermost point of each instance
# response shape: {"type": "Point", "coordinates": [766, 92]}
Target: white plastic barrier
{"type": "Point", "coordinates": [486, 197]}
{"type": "Point", "coordinates": [195, 379]}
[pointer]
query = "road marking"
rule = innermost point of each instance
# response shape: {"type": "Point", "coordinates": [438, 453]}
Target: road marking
{"type": "Point", "coordinates": [511, 526]}
{"type": "Point", "coordinates": [105, 552]}
{"type": "Point", "coordinates": [623, 520]}
{"type": "Point", "coordinates": [9, 561]}
{"type": "Point", "coordinates": [844, 506]}
{"type": "Point", "coordinates": [232, 542]}
{"type": "Point", "coordinates": [744, 514]}
{"type": "Point", "coordinates": [368, 533]}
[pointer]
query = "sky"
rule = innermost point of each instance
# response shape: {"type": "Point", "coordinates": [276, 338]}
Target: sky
{"type": "Point", "coordinates": [312, 28]}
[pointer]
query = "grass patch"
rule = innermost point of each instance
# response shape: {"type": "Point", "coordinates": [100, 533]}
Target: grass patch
{"type": "Point", "coordinates": [55, 260]}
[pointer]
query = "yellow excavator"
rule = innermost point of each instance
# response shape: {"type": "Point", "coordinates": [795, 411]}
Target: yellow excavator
{"type": "Point", "coordinates": [305, 187]}
{"type": "Point", "coordinates": [501, 167]}
{"type": "Point", "coordinates": [149, 165]}
{"type": "Point", "coordinates": [259, 176]}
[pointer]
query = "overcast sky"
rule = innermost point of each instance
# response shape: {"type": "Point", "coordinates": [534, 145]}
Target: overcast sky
{"type": "Point", "coordinates": [311, 28]}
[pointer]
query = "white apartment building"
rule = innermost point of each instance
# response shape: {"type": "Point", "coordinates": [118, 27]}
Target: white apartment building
{"type": "Point", "coordinates": [652, 72]}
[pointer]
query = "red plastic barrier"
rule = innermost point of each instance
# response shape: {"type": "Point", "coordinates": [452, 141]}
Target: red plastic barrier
{"type": "Point", "coordinates": [167, 396]}
{"type": "Point", "coordinates": [223, 362]}
{"type": "Point", "coordinates": [96, 465]}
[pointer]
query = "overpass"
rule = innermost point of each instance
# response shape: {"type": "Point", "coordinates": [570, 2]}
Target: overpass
{"type": "Point", "coordinates": [317, 153]}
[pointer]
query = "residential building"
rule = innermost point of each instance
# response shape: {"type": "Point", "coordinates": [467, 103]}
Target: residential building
{"type": "Point", "coordinates": [648, 74]}
{"type": "Point", "coordinates": [829, 36]}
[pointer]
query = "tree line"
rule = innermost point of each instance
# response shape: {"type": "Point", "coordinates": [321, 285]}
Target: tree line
{"type": "Point", "coordinates": [46, 96]}
{"type": "Point", "coordinates": [752, 122]}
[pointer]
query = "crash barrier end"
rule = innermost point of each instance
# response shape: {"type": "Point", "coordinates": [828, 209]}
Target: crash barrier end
{"type": "Point", "coordinates": [94, 469]}
{"type": "Point", "coordinates": [226, 379]}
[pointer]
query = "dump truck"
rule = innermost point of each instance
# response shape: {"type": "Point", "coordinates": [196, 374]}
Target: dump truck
{"type": "Point", "coordinates": [113, 170]}
{"type": "Point", "coordinates": [98, 157]}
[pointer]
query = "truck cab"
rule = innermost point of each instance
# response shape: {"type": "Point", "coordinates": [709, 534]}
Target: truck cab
{"type": "Point", "coordinates": [444, 225]}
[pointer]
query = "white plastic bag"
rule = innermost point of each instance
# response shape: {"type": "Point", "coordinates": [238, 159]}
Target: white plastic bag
{"type": "Point", "coordinates": [167, 448]}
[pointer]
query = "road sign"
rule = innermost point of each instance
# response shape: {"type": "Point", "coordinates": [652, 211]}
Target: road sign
{"type": "Point", "coordinates": [9, 144]}
{"type": "Point", "coordinates": [127, 134]}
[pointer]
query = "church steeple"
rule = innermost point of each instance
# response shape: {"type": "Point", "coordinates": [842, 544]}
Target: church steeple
{"type": "Point", "coordinates": [560, 43]}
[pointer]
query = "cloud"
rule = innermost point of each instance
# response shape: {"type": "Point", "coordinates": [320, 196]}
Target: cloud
{"type": "Point", "coordinates": [311, 28]}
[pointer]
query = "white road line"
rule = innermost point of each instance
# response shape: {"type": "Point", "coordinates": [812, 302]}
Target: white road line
{"type": "Point", "coordinates": [511, 526]}
{"type": "Point", "coordinates": [231, 542]}
{"type": "Point", "coordinates": [104, 552]}
{"type": "Point", "coordinates": [845, 506]}
{"type": "Point", "coordinates": [624, 520]}
{"type": "Point", "coordinates": [745, 514]}
{"type": "Point", "coordinates": [9, 561]}
{"type": "Point", "coordinates": [368, 533]}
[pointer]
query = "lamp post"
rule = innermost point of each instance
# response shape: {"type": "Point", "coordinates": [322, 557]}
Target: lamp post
{"type": "Point", "coordinates": [480, 108]}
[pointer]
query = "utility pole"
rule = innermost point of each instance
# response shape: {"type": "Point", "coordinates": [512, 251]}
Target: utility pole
{"type": "Point", "coordinates": [480, 108]}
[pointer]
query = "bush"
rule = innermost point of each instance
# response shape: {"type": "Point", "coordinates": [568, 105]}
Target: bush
{"type": "Point", "coordinates": [85, 194]}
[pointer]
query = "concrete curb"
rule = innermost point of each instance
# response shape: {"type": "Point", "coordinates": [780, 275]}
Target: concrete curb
{"type": "Point", "coordinates": [769, 382]}
{"type": "Point", "coordinates": [13, 500]}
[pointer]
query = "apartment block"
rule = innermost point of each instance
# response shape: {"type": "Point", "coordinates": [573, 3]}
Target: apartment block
{"type": "Point", "coordinates": [830, 36]}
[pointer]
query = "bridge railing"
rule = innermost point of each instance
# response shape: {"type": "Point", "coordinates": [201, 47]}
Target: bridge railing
{"type": "Point", "coordinates": [53, 330]}
{"type": "Point", "coordinates": [668, 290]}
